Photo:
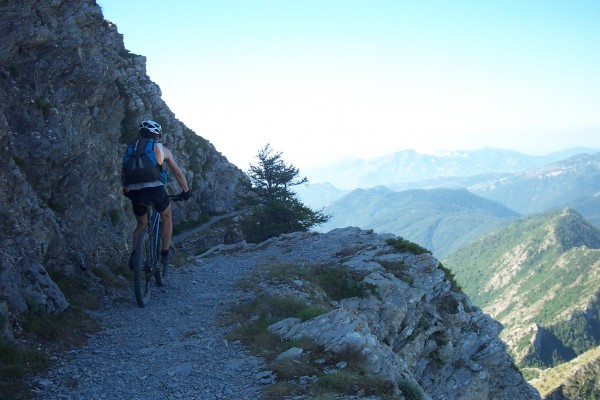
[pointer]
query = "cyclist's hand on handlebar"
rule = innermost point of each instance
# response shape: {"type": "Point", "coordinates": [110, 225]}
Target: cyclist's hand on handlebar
{"type": "Point", "coordinates": [185, 195]}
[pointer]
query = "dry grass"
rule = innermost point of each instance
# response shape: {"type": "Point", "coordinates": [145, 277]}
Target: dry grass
{"type": "Point", "coordinates": [323, 283]}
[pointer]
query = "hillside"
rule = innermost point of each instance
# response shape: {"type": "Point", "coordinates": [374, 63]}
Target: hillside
{"type": "Point", "coordinates": [540, 277]}
{"type": "Point", "coordinates": [440, 219]}
{"type": "Point", "coordinates": [573, 182]}
{"type": "Point", "coordinates": [576, 379]}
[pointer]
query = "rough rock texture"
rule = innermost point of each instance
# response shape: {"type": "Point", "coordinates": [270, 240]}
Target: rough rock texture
{"type": "Point", "coordinates": [71, 96]}
{"type": "Point", "coordinates": [416, 328]}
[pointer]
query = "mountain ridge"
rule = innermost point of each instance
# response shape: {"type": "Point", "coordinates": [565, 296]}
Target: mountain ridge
{"type": "Point", "coordinates": [540, 270]}
{"type": "Point", "coordinates": [552, 186]}
{"type": "Point", "coordinates": [438, 219]}
{"type": "Point", "coordinates": [410, 166]}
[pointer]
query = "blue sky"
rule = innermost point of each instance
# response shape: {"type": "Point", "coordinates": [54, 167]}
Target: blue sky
{"type": "Point", "coordinates": [322, 80]}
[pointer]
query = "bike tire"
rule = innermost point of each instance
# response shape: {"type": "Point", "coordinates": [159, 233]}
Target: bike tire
{"type": "Point", "coordinates": [160, 269]}
{"type": "Point", "coordinates": [142, 280]}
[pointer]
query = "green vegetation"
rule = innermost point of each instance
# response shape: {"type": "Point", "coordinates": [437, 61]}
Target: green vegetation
{"type": "Point", "coordinates": [551, 261]}
{"type": "Point", "coordinates": [14, 71]}
{"type": "Point", "coordinates": [21, 164]}
{"type": "Point", "coordinates": [406, 246]}
{"type": "Point", "coordinates": [69, 328]}
{"type": "Point", "coordinates": [129, 122]}
{"type": "Point", "coordinates": [410, 391]}
{"type": "Point", "coordinates": [349, 383]}
{"type": "Point", "coordinates": [16, 365]}
{"type": "Point", "coordinates": [580, 333]}
{"type": "Point", "coordinates": [584, 383]}
{"type": "Point", "coordinates": [398, 268]}
{"type": "Point", "coordinates": [323, 283]}
{"type": "Point", "coordinates": [109, 277]}
{"type": "Point", "coordinates": [115, 216]}
{"type": "Point", "coordinates": [340, 283]}
{"type": "Point", "coordinates": [276, 208]}
{"type": "Point", "coordinates": [441, 220]}
{"type": "Point", "coordinates": [575, 378]}
{"type": "Point", "coordinates": [43, 105]}
{"type": "Point", "coordinates": [451, 278]}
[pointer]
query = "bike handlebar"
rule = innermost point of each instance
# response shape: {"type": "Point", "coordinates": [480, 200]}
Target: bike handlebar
{"type": "Point", "coordinates": [177, 197]}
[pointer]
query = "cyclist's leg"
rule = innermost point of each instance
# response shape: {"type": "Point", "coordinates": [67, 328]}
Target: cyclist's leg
{"type": "Point", "coordinates": [140, 212]}
{"type": "Point", "coordinates": [142, 222]}
{"type": "Point", "coordinates": [166, 228]}
{"type": "Point", "coordinates": [163, 206]}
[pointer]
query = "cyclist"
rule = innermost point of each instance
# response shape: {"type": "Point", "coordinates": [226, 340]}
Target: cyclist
{"type": "Point", "coordinates": [154, 191]}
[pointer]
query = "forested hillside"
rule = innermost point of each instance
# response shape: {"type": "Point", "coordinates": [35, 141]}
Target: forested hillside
{"type": "Point", "coordinates": [441, 220]}
{"type": "Point", "coordinates": [540, 277]}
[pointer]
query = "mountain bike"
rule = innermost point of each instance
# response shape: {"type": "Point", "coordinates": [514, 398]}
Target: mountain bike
{"type": "Point", "coordinates": [147, 253]}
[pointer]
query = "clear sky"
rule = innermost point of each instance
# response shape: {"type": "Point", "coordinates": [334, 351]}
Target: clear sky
{"type": "Point", "coordinates": [326, 79]}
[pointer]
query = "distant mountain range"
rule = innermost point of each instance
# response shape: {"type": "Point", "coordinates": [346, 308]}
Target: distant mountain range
{"type": "Point", "coordinates": [573, 182]}
{"type": "Point", "coordinates": [441, 220]}
{"type": "Point", "coordinates": [538, 274]}
{"type": "Point", "coordinates": [409, 166]}
{"type": "Point", "coordinates": [540, 277]}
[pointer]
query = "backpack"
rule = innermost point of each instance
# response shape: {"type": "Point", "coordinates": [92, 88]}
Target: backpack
{"type": "Point", "coordinates": [142, 163]}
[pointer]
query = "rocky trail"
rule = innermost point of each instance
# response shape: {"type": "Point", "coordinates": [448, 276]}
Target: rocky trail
{"type": "Point", "coordinates": [171, 349]}
{"type": "Point", "coordinates": [175, 348]}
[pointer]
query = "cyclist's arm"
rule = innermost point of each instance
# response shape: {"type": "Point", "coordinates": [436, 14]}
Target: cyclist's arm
{"type": "Point", "coordinates": [179, 177]}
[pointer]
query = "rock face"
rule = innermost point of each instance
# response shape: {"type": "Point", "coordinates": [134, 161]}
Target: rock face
{"type": "Point", "coordinates": [72, 96]}
{"type": "Point", "coordinates": [414, 328]}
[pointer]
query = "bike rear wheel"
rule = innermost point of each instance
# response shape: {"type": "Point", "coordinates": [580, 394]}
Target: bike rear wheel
{"type": "Point", "coordinates": [142, 277]}
{"type": "Point", "coordinates": [160, 269]}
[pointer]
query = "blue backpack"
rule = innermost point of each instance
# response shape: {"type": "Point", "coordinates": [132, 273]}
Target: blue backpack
{"type": "Point", "coordinates": [142, 163]}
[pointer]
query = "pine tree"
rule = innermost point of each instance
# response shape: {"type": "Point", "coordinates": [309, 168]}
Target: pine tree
{"type": "Point", "coordinates": [277, 209]}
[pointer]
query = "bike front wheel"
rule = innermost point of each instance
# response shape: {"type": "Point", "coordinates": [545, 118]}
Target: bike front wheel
{"type": "Point", "coordinates": [142, 277]}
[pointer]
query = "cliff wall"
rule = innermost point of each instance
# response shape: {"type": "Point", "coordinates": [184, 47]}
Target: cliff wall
{"type": "Point", "coordinates": [71, 96]}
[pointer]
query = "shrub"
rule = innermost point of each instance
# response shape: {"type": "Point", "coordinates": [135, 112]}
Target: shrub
{"type": "Point", "coordinates": [341, 283]}
{"type": "Point", "coordinates": [410, 391]}
{"type": "Point", "coordinates": [16, 364]}
{"type": "Point", "coordinates": [348, 382]}
{"type": "Point", "coordinates": [406, 246]}
{"type": "Point", "coordinates": [398, 268]}
{"type": "Point", "coordinates": [451, 278]}
{"type": "Point", "coordinates": [43, 105]}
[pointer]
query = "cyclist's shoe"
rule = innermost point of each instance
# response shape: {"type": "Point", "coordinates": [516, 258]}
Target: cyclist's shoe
{"type": "Point", "coordinates": [167, 255]}
{"type": "Point", "coordinates": [131, 259]}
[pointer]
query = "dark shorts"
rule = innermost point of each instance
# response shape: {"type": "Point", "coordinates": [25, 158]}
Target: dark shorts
{"type": "Point", "coordinates": [157, 196]}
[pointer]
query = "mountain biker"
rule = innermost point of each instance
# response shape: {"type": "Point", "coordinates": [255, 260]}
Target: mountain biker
{"type": "Point", "coordinates": [154, 192]}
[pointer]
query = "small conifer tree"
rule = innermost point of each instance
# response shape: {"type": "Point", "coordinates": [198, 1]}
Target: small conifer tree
{"type": "Point", "coordinates": [277, 209]}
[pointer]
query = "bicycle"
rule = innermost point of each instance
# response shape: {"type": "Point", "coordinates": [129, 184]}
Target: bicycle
{"type": "Point", "coordinates": [147, 252]}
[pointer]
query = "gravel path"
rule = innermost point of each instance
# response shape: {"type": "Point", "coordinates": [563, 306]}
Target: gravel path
{"type": "Point", "coordinates": [171, 349]}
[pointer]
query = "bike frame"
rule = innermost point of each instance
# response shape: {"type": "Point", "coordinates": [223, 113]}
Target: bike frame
{"type": "Point", "coordinates": [146, 270]}
{"type": "Point", "coordinates": [154, 232]}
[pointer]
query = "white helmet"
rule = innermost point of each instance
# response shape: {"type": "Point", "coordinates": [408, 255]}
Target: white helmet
{"type": "Point", "coordinates": [150, 126]}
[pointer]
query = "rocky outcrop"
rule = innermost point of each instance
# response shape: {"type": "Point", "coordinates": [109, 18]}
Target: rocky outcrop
{"type": "Point", "coordinates": [72, 95]}
{"type": "Point", "coordinates": [414, 328]}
